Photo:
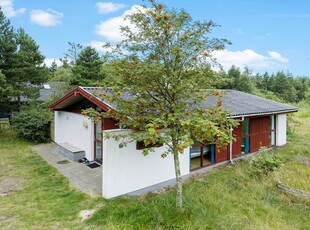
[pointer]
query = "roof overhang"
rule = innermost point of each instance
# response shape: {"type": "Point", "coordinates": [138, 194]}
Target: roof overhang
{"type": "Point", "coordinates": [75, 96]}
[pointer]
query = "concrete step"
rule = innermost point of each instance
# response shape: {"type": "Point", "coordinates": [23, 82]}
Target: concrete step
{"type": "Point", "coordinates": [71, 152]}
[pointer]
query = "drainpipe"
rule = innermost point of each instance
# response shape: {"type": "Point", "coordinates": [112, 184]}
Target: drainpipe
{"type": "Point", "coordinates": [230, 147]}
{"type": "Point", "coordinates": [230, 143]}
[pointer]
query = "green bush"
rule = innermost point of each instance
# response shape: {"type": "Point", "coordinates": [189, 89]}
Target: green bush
{"type": "Point", "coordinates": [304, 109]}
{"type": "Point", "coordinates": [33, 124]}
{"type": "Point", "coordinates": [266, 161]}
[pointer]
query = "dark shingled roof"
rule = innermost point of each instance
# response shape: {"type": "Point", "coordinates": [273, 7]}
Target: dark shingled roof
{"type": "Point", "coordinates": [96, 91]}
{"type": "Point", "coordinates": [243, 104]}
{"type": "Point", "coordinates": [46, 93]}
{"type": "Point", "coordinates": [46, 90]}
{"type": "Point", "coordinates": [237, 103]}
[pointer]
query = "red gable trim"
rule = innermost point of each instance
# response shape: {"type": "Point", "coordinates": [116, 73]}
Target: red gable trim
{"type": "Point", "coordinates": [80, 91]}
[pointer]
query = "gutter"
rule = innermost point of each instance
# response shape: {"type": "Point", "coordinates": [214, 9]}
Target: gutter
{"type": "Point", "coordinates": [263, 113]}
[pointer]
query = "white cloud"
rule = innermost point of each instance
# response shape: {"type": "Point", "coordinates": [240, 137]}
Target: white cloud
{"type": "Point", "coordinates": [8, 9]}
{"type": "Point", "coordinates": [251, 59]}
{"type": "Point", "coordinates": [48, 62]}
{"type": "Point", "coordinates": [110, 29]}
{"type": "Point", "coordinates": [46, 18]}
{"type": "Point", "coordinates": [278, 57]}
{"type": "Point", "coordinates": [109, 7]}
{"type": "Point", "coordinates": [98, 45]}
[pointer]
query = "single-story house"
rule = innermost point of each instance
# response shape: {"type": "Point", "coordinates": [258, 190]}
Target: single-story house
{"type": "Point", "coordinates": [126, 171]}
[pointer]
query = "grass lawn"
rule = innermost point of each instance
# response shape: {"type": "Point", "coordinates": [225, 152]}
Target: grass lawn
{"type": "Point", "coordinates": [233, 197]}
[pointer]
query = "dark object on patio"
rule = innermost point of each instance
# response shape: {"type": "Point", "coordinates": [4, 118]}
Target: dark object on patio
{"type": "Point", "coordinates": [63, 162]}
{"type": "Point", "coordinates": [93, 165]}
{"type": "Point", "coordinates": [83, 160]}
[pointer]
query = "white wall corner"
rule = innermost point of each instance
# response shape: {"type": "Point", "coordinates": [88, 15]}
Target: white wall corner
{"type": "Point", "coordinates": [280, 129]}
{"type": "Point", "coordinates": [126, 170]}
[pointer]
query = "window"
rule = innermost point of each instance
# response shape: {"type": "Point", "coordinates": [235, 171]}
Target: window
{"type": "Point", "coordinates": [245, 142]}
{"type": "Point", "coordinates": [201, 155]}
{"type": "Point", "coordinates": [272, 130]}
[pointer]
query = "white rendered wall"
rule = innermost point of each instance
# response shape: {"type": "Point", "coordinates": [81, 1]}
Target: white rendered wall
{"type": "Point", "coordinates": [126, 170]}
{"type": "Point", "coordinates": [281, 129]}
{"type": "Point", "coordinates": [76, 130]}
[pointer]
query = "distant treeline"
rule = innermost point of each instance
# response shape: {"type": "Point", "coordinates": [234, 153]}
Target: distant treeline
{"type": "Point", "coordinates": [278, 86]}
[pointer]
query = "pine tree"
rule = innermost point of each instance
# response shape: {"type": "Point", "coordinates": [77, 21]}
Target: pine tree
{"type": "Point", "coordinates": [8, 48]}
{"type": "Point", "coordinates": [53, 68]}
{"type": "Point", "coordinates": [20, 62]}
{"type": "Point", "coordinates": [26, 71]}
{"type": "Point", "coordinates": [87, 68]}
{"type": "Point", "coordinates": [73, 52]}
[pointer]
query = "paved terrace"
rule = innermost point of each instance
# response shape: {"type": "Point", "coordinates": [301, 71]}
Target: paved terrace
{"type": "Point", "coordinates": [80, 176]}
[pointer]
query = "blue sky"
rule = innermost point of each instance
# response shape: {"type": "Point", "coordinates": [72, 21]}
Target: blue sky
{"type": "Point", "coordinates": [267, 35]}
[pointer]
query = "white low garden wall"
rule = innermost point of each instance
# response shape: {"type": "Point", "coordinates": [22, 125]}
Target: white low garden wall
{"type": "Point", "coordinates": [76, 130]}
{"type": "Point", "coordinates": [126, 170]}
{"type": "Point", "coordinates": [281, 130]}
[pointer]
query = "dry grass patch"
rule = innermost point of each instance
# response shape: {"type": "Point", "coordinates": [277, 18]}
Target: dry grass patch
{"type": "Point", "coordinates": [8, 185]}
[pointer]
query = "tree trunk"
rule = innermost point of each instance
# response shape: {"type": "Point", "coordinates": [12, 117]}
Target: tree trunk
{"type": "Point", "coordinates": [19, 104]}
{"type": "Point", "coordinates": [178, 178]}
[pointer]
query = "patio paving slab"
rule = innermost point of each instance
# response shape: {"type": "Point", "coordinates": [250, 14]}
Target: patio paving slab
{"type": "Point", "coordinates": [80, 176]}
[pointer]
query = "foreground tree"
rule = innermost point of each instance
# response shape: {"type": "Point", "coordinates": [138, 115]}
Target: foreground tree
{"type": "Point", "coordinates": [162, 65]}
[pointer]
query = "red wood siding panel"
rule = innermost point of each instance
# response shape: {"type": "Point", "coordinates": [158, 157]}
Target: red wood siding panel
{"type": "Point", "coordinates": [254, 143]}
{"type": "Point", "coordinates": [236, 146]}
{"type": "Point", "coordinates": [254, 125]}
{"type": "Point", "coordinates": [254, 134]}
{"type": "Point", "coordinates": [259, 133]}
{"type": "Point", "coordinates": [264, 131]}
{"type": "Point", "coordinates": [264, 139]}
{"type": "Point", "coordinates": [265, 124]}
{"type": "Point", "coordinates": [222, 154]}
{"type": "Point", "coordinates": [109, 123]}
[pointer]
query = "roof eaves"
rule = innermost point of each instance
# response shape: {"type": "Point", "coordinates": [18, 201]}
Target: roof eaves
{"type": "Point", "coordinates": [84, 93]}
{"type": "Point", "coordinates": [263, 113]}
{"type": "Point", "coordinates": [108, 104]}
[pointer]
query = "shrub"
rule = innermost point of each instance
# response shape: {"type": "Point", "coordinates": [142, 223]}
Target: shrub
{"type": "Point", "coordinates": [33, 124]}
{"type": "Point", "coordinates": [304, 109]}
{"type": "Point", "coordinates": [265, 161]}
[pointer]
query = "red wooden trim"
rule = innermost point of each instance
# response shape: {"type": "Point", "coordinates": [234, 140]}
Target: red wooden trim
{"type": "Point", "coordinates": [85, 94]}
{"type": "Point", "coordinates": [109, 123]}
{"type": "Point", "coordinates": [63, 99]}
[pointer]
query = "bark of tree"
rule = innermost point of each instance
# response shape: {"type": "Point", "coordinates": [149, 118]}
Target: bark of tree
{"type": "Point", "coordinates": [179, 198]}
{"type": "Point", "coordinates": [179, 202]}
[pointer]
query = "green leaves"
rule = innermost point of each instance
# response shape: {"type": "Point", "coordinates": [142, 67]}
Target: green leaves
{"type": "Point", "coordinates": [21, 62]}
{"type": "Point", "coordinates": [266, 162]}
{"type": "Point", "coordinates": [162, 75]}
{"type": "Point", "coordinates": [33, 124]}
{"type": "Point", "coordinates": [163, 66]}
{"type": "Point", "coordinates": [87, 68]}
